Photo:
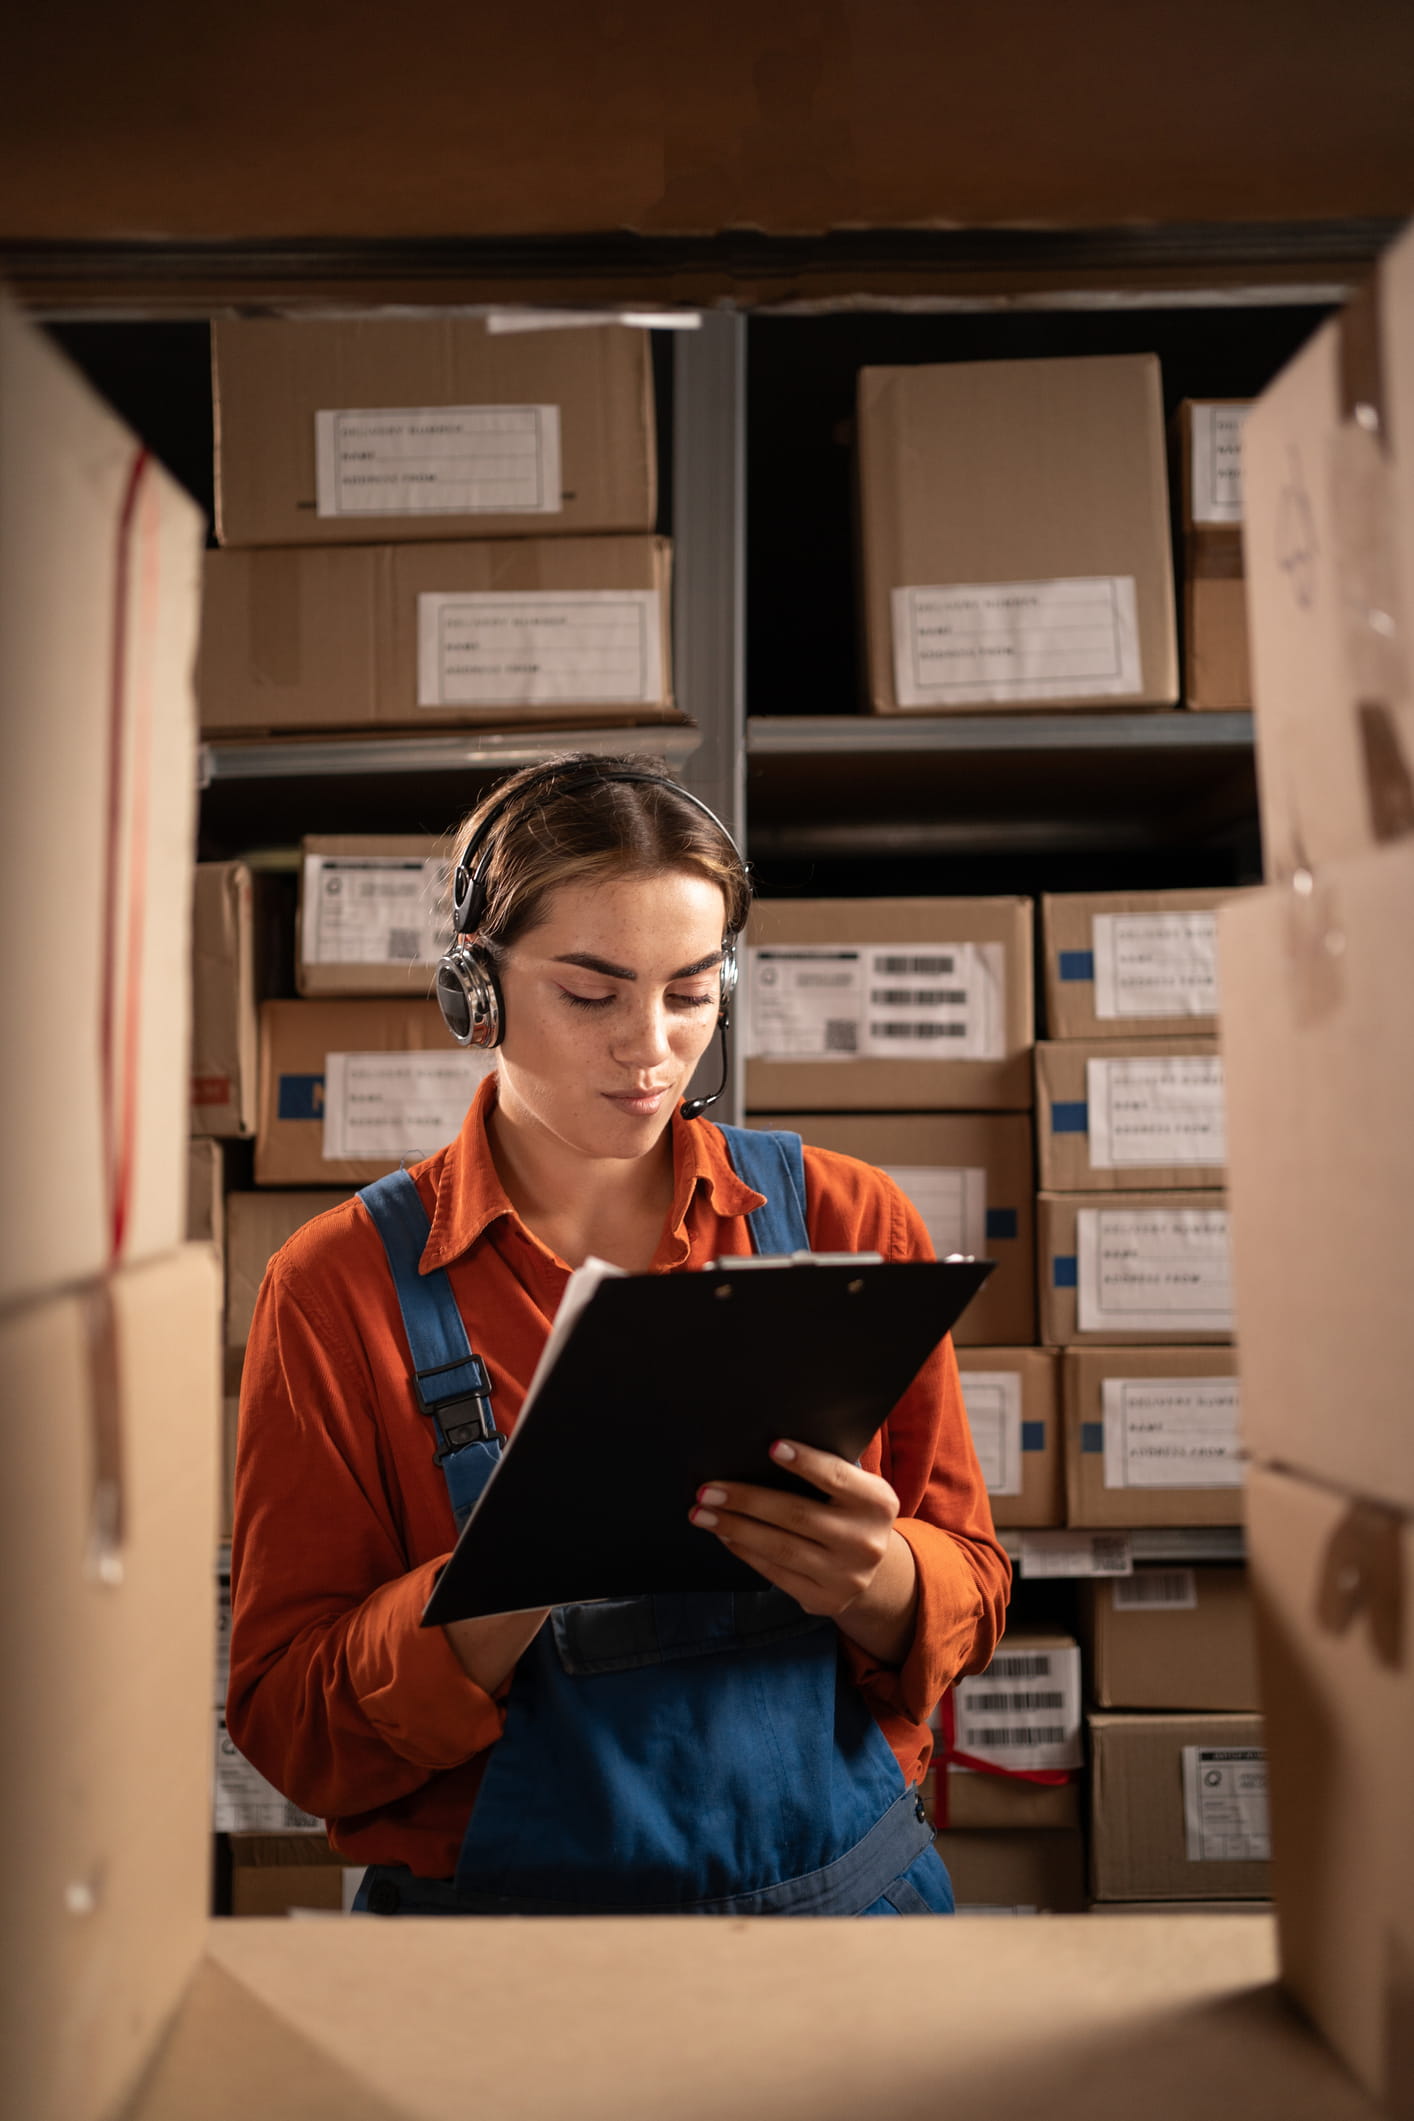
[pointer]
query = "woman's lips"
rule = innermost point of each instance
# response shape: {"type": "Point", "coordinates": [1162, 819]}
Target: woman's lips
{"type": "Point", "coordinates": [642, 1103]}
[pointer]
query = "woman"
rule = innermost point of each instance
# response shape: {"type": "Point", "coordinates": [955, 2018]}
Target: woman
{"type": "Point", "coordinates": [755, 1753]}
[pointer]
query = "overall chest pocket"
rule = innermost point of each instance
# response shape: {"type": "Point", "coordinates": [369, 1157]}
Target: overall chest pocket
{"type": "Point", "coordinates": [624, 1634]}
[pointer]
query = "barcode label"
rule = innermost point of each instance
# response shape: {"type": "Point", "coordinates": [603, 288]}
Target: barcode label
{"type": "Point", "coordinates": [1002, 1715]}
{"type": "Point", "coordinates": [917, 1030]}
{"type": "Point", "coordinates": [825, 1002]}
{"type": "Point", "coordinates": [1016, 1664]}
{"type": "Point", "coordinates": [890, 966]}
{"type": "Point", "coordinates": [1049, 1698]}
{"type": "Point", "coordinates": [1157, 1590]}
{"type": "Point", "coordinates": [1006, 1738]}
{"type": "Point", "coordinates": [918, 997]}
{"type": "Point", "coordinates": [1076, 1554]}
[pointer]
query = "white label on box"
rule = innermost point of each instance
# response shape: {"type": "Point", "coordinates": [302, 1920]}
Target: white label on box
{"type": "Point", "coordinates": [440, 460]}
{"type": "Point", "coordinates": [952, 1203]}
{"type": "Point", "coordinates": [1023, 1711]}
{"type": "Point", "coordinates": [1153, 1270]}
{"type": "Point", "coordinates": [1156, 1591]}
{"type": "Point", "coordinates": [1150, 1112]}
{"type": "Point", "coordinates": [243, 1802]}
{"type": "Point", "coordinates": [1225, 1816]}
{"type": "Point", "coordinates": [1171, 1432]}
{"type": "Point", "coordinates": [1216, 448]}
{"type": "Point", "coordinates": [536, 647]}
{"type": "Point", "coordinates": [398, 1106]}
{"type": "Point", "coordinates": [374, 909]}
{"type": "Point", "coordinates": [876, 1001]}
{"type": "Point", "coordinates": [1047, 1554]}
{"type": "Point", "coordinates": [1155, 964]}
{"type": "Point", "coordinates": [993, 1402]}
{"type": "Point", "coordinates": [963, 643]}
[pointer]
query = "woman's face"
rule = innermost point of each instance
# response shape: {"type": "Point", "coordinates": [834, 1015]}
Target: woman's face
{"type": "Point", "coordinates": [610, 1002]}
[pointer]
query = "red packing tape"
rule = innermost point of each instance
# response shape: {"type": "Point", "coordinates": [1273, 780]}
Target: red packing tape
{"type": "Point", "coordinates": [1051, 1777]}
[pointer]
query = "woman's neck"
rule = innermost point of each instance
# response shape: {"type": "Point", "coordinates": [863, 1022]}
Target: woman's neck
{"type": "Point", "coordinates": [612, 1208]}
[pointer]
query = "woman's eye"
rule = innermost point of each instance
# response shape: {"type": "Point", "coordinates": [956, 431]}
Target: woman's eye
{"type": "Point", "coordinates": [691, 1001]}
{"type": "Point", "coordinates": [586, 1001]}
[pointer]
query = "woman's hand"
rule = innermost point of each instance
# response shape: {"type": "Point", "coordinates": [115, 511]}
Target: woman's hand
{"type": "Point", "coordinates": [840, 1557]}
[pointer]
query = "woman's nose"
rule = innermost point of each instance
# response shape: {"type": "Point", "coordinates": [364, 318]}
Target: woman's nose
{"type": "Point", "coordinates": [644, 1037]}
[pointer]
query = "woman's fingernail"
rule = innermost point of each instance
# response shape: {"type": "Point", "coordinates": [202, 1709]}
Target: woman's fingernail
{"type": "Point", "coordinates": [784, 1451]}
{"type": "Point", "coordinates": [711, 1494]}
{"type": "Point", "coordinates": [706, 1518]}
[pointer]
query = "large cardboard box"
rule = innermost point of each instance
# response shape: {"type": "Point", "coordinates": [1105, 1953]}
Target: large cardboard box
{"type": "Point", "coordinates": [1328, 482]}
{"type": "Point", "coordinates": [888, 1005]}
{"type": "Point", "coordinates": [1013, 1407]}
{"type": "Point", "coordinates": [225, 1037]}
{"type": "Point", "coordinates": [967, 1800]}
{"type": "Point", "coordinates": [1216, 660]}
{"type": "Point", "coordinates": [349, 432]}
{"type": "Point", "coordinates": [106, 1633]}
{"type": "Point", "coordinates": [969, 1176]}
{"type": "Point", "coordinates": [1133, 1114]}
{"type": "Point", "coordinates": [374, 916]}
{"type": "Point", "coordinates": [1131, 964]}
{"type": "Point", "coordinates": [1318, 1047]}
{"type": "Point", "coordinates": [1174, 1638]}
{"type": "Point", "coordinates": [1040, 1871]}
{"type": "Point", "coordinates": [1152, 1436]}
{"type": "Point", "coordinates": [1133, 1268]}
{"type": "Point", "coordinates": [349, 1089]}
{"type": "Point", "coordinates": [1332, 1581]}
{"type": "Point", "coordinates": [98, 612]}
{"type": "Point", "coordinates": [1178, 1808]}
{"type": "Point", "coordinates": [528, 631]}
{"type": "Point", "coordinates": [1015, 529]}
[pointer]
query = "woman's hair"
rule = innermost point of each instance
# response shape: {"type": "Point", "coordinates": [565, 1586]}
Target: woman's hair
{"type": "Point", "coordinates": [575, 824]}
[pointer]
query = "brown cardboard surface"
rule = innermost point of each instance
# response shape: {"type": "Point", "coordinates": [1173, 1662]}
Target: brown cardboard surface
{"type": "Point", "coordinates": [107, 1626]}
{"type": "Point", "coordinates": [274, 1873]}
{"type": "Point", "coordinates": [967, 1801]}
{"type": "Point", "coordinates": [998, 1143]}
{"type": "Point", "coordinates": [224, 1036]}
{"type": "Point", "coordinates": [1217, 657]}
{"type": "Point", "coordinates": [1138, 1849]}
{"type": "Point", "coordinates": [1328, 469]}
{"type": "Point", "coordinates": [1064, 1146]}
{"type": "Point", "coordinates": [1262, 1909]}
{"type": "Point", "coordinates": [99, 900]}
{"type": "Point", "coordinates": [1333, 1586]}
{"type": "Point", "coordinates": [1042, 1499]}
{"type": "Point", "coordinates": [1068, 926]}
{"type": "Point", "coordinates": [1202, 1656]}
{"type": "Point", "coordinates": [1041, 1872]}
{"type": "Point", "coordinates": [270, 378]}
{"type": "Point", "coordinates": [888, 1085]}
{"type": "Point", "coordinates": [1057, 1222]}
{"type": "Point", "coordinates": [206, 1206]}
{"type": "Point", "coordinates": [1088, 1501]}
{"type": "Point", "coordinates": [1011, 472]}
{"type": "Point", "coordinates": [376, 975]}
{"type": "Point", "coordinates": [326, 637]}
{"type": "Point", "coordinates": [257, 1224]}
{"type": "Point", "coordinates": [1319, 1051]}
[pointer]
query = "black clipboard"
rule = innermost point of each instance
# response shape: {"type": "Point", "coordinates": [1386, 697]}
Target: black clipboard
{"type": "Point", "coordinates": [669, 1380]}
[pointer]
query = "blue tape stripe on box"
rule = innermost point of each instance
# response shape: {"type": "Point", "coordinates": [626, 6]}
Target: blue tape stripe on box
{"type": "Point", "coordinates": [1077, 964]}
{"type": "Point", "coordinates": [1033, 1436]}
{"type": "Point", "coordinates": [1065, 1271]}
{"type": "Point", "coordinates": [1092, 1436]}
{"type": "Point", "coordinates": [1001, 1222]}
{"type": "Point", "coordinates": [300, 1097]}
{"type": "Point", "coordinates": [1070, 1116]}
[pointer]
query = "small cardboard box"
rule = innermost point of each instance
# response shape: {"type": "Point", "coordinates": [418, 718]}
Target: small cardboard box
{"type": "Point", "coordinates": [1318, 1047]}
{"type": "Point", "coordinates": [1013, 1406]}
{"type": "Point", "coordinates": [1178, 1808]}
{"type": "Point", "coordinates": [225, 1038]}
{"type": "Point", "coordinates": [843, 998]}
{"type": "Point", "coordinates": [1131, 964]}
{"type": "Point", "coordinates": [1328, 493]}
{"type": "Point", "coordinates": [965, 1800]}
{"type": "Point", "coordinates": [353, 431]}
{"type": "Point", "coordinates": [1015, 530]}
{"type": "Point", "coordinates": [1216, 662]}
{"type": "Point", "coordinates": [531, 631]}
{"type": "Point", "coordinates": [1151, 1437]}
{"type": "Point", "coordinates": [1135, 1114]}
{"type": "Point", "coordinates": [257, 1224]}
{"type": "Point", "coordinates": [1131, 1268]}
{"type": "Point", "coordinates": [1331, 1581]}
{"type": "Point", "coordinates": [374, 916]}
{"type": "Point", "coordinates": [274, 1874]}
{"type": "Point", "coordinates": [350, 1090]}
{"type": "Point", "coordinates": [1036, 1872]}
{"type": "Point", "coordinates": [969, 1176]}
{"type": "Point", "coordinates": [1172, 1638]}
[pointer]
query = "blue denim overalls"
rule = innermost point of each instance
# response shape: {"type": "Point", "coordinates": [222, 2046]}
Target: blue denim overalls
{"type": "Point", "coordinates": [692, 1754]}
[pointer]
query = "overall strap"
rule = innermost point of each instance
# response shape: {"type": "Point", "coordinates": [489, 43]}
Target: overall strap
{"type": "Point", "coordinates": [773, 1164]}
{"type": "Point", "coordinates": [450, 1381]}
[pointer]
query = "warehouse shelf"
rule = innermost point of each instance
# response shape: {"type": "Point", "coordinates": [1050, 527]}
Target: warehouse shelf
{"type": "Point", "coordinates": [1167, 730]}
{"type": "Point", "coordinates": [451, 751]}
{"type": "Point", "coordinates": [1172, 1546]}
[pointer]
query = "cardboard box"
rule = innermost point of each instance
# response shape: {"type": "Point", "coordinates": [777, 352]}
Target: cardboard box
{"type": "Point", "coordinates": [373, 914]}
{"type": "Point", "coordinates": [1041, 1872]}
{"type": "Point", "coordinates": [966, 1801]}
{"type": "Point", "coordinates": [97, 824]}
{"type": "Point", "coordinates": [553, 433]}
{"type": "Point", "coordinates": [1015, 529]}
{"type": "Point", "coordinates": [1178, 1808]}
{"type": "Point", "coordinates": [818, 1038]}
{"type": "Point", "coordinates": [1328, 479]}
{"type": "Point", "coordinates": [274, 1874]}
{"type": "Point", "coordinates": [1318, 1046]}
{"type": "Point", "coordinates": [1216, 661]}
{"type": "Point", "coordinates": [1172, 1638]}
{"type": "Point", "coordinates": [1013, 1406]}
{"type": "Point", "coordinates": [1130, 1269]}
{"type": "Point", "coordinates": [1022, 1715]}
{"type": "Point", "coordinates": [969, 1176]}
{"type": "Point", "coordinates": [106, 1632]}
{"type": "Point", "coordinates": [257, 1224]}
{"type": "Point", "coordinates": [225, 1039]}
{"type": "Point", "coordinates": [1132, 1114]}
{"type": "Point", "coordinates": [1331, 1581]}
{"type": "Point", "coordinates": [206, 1201]}
{"type": "Point", "coordinates": [1152, 1436]}
{"type": "Point", "coordinates": [1260, 1908]}
{"type": "Point", "coordinates": [530, 631]}
{"type": "Point", "coordinates": [1131, 964]}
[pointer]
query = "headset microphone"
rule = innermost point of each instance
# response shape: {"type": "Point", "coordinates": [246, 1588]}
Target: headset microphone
{"type": "Point", "coordinates": [696, 1106]}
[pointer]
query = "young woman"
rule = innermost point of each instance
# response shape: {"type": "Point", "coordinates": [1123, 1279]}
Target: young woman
{"type": "Point", "coordinates": [754, 1752]}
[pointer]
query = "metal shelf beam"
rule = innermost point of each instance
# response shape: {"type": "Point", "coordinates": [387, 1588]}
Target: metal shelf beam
{"type": "Point", "coordinates": [869, 736]}
{"type": "Point", "coordinates": [457, 751]}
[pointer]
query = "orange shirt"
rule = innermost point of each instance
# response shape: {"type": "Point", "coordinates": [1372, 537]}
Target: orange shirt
{"type": "Point", "coordinates": [342, 1520]}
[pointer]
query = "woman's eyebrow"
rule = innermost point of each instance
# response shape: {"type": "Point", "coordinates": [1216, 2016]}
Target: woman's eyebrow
{"type": "Point", "coordinates": [602, 966]}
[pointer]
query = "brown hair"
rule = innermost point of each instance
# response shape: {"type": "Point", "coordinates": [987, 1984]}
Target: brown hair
{"type": "Point", "coordinates": [576, 824]}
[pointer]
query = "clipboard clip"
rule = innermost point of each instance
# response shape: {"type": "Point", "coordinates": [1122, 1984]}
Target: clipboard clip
{"type": "Point", "coordinates": [794, 1259]}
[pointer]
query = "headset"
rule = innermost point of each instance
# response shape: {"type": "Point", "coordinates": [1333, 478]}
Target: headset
{"type": "Point", "coordinates": [468, 991]}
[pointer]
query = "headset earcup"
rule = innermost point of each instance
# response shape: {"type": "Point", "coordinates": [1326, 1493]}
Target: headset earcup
{"type": "Point", "coordinates": [469, 997]}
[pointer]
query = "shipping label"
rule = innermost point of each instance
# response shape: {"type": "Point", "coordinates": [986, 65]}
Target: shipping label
{"type": "Point", "coordinates": [1225, 1804]}
{"type": "Point", "coordinates": [978, 643]}
{"type": "Point", "coordinates": [876, 1001]}
{"type": "Point", "coordinates": [441, 460]}
{"type": "Point", "coordinates": [1153, 1270]}
{"type": "Point", "coordinates": [1165, 1111]}
{"type": "Point", "coordinates": [1155, 964]}
{"type": "Point", "coordinates": [374, 909]}
{"type": "Point", "coordinates": [993, 1400]}
{"type": "Point", "coordinates": [243, 1802]}
{"type": "Point", "coordinates": [392, 1107]}
{"type": "Point", "coordinates": [1156, 1591]}
{"type": "Point", "coordinates": [1023, 1711]}
{"type": "Point", "coordinates": [1056, 1554]}
{"type": "Point", "coordinates": [952, 1203]}
{"type": "Point", "coordinates": [537, 648]}
{"type": "Point", "coordinates": [1215, 494]}
{"type": "Point", "coordinates": [1171, 1432]}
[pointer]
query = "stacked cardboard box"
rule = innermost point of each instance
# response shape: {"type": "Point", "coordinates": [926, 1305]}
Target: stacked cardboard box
{"type": "Point", "coordinates": [1216, 672]}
